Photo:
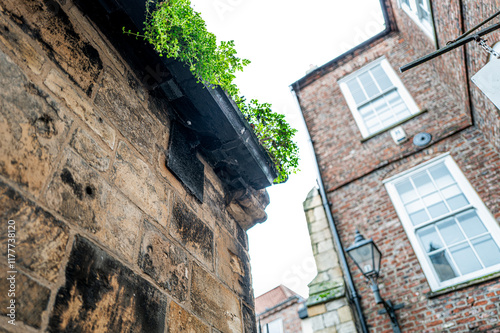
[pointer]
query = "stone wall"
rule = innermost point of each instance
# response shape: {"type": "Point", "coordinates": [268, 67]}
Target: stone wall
{"type": "Point", "coordinates": [327, 306]}
{"type": "Point", "coordinates": [107, 238]}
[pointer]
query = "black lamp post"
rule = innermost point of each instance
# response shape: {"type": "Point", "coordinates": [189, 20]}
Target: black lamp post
{"type": "Point", "coordinates": [367, 257]}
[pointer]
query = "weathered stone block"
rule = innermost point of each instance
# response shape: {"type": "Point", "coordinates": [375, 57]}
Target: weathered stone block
{"type": "Point", "coordinates": [31, 298]}
{"type": "Point", "coordinates": [345, 314]}
{"type": "Point", "coordinates": [63, 89]}
{"type": "Point", "coordinates": [102, 295]}
{"type": "Point", "coordinates": [88, 148]}
{"type": "Point", "coordinates": [316, 310]}
{"type": "Point", "coordinates": [136, 180]}
{"type": "Point", "coordinates": [193, 233]}
{"type": "Point", "coordinates": [214, 302]}
{"type": "Point", "coordinates": [17, 43]}
{"type": "Point", "coordinates": [336, 304]}
{"type": "Point", "coordinates": [248, 206]}
{"type": "Point", "coordinates": [322, 292]}
{"type": "Point", "coordinates": [249, 324]}
{"type": "Point", "coordinates": [326, 260]}
{"type": "Point", "coordinates": [330, 329]}
{"type": "Point", "coordinates": [122, 107]}
{"type": "Point", "coordinates": [53, 29]}
{"type": "Point", "coordinates": [40, 238]}
{"type": "Point", "coordinates": [122, 225]}
{"type": "Point", "coordinates": [165, 262]}
{"type": "Point", "coordinates": [317, 323]}
{"type": "Point", "coordinates": [32, 128]}
{"type": "Point", "coordinates": [348, 327]}
{"type": "Point", "coordinates": [179, 320]}
{"type": "Point", "coordinates": [215, 207]}
{"type": "Point", "coordinates": [331, 318]}
{"type": "Point", "coordinates": [233, 265]}
{"type": "Point", "coordinates": [82, 196]}
{"type": "Point", "coordinates": [79, 194]}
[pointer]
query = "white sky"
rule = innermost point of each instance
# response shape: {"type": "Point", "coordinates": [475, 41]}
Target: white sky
{"type": "Point", "coordinates": [282, 39]}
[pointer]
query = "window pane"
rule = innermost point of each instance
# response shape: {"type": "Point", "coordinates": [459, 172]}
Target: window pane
{"type": "Point", "coordinates": [423, 183]}
{"type": "Point", "coordinates": [419, 217]}
{"type": "Point", "coordinates": [450, 231]}
{"type": "Point", "coordinates": [356, 91]}
{"type": "Point", "coordinates": [465, 258]}
{"type": "Point", "coordinates": [441, 175]}
{"type": "Point", "coordinates": [367, 82]}
{"type": "Point", "coordinates": [393, 97]}
{"type": "Point", "coordinates": [451, 191]}
{"type": "Point", "coordinates": [438, 209]}
{"type": "Point", "coordinates": [471, 224]}
{"type": "Point", "coordinates": [487, 250]}
{"type": "Point", "coordinates": [381, 78]}
{"type": "Point", "coordinates": [275, 326]}
{"type": "Point", "coordinates": [457, 202]}
{"type": "Point", "coordinates": [406, 191]}
{"type": "Point", "coordinates": [430, 239]}
{"type": "Point", "coordinates": [379, 105]}
{"type": "Point", "coordinates": [442, 265]}
{"type": "Point", "coordinates": [435, 205]}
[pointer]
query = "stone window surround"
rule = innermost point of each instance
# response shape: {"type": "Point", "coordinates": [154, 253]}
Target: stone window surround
{"type": "Point", "coordinates": [395, 80]}
{"type": "Point", "coordinates": [414, 12]}
{"type": "Point", "coordinates": [476, 203]}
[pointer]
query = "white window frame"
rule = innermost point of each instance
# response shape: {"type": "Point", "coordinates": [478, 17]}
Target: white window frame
{"type": "Point", "coordinates": [415, 14]}
{"type": "Point", "coordinates": [279, 323]}
{"type": "Point", "coordinates": [391, 74]}
{"type": "Point", "coordinates": [475, 203]}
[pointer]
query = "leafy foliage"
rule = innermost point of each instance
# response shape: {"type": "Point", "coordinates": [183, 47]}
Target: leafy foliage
{"type": "Point", "coordinates": [274, 133]}
{"type": "Point", "coordinates": [176, 31]}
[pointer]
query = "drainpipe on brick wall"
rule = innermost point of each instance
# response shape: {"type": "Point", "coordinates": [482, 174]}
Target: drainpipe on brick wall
{"type": "Point", "coordinates": [466, 65]}
{"type": "Point", "coordinates": [347, 274]}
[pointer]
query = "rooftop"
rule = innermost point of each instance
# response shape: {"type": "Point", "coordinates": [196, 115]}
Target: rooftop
{"type": "Point", "coordinates": [273, 298]}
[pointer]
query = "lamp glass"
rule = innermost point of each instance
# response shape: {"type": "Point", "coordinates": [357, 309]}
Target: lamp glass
{"type": "Point", "coordinates": [367, 257]}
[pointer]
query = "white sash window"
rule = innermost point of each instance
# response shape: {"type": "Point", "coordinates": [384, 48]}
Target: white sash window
{"type": "Point", "coordinates": [454, 236]}
{"type": "Point", "coordinates": [377, 97]}
{"type": "Point", "coordinates": [420, 12]}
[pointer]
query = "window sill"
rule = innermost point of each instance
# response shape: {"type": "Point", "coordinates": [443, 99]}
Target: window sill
{"type": "Point", "coordinates": [463, 285]}
{"type": "Point", "coordinates": [393, 126]}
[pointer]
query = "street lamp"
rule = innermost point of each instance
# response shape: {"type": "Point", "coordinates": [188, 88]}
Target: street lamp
{"type": "Point", "coordinates": [367, 257]}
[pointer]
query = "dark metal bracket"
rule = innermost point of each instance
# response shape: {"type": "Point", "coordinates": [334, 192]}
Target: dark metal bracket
{"type": "Point", "coordinates": [450, 47]}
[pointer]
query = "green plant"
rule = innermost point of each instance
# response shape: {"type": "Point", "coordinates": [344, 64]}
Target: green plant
{"type": "Point", "coordinates": [274, 133]}
{"type": "Point", "coordinates": [176, 31]}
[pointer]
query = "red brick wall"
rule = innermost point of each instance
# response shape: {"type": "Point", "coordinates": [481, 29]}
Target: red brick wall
{"type": "Point", "coordinates": [336, 135]}
{"type": "Point", "coordinates": [460, 119]}
{"type": "Point", "coordinates": [486, 115]}
{"type": "Point", "coordinates": [289, 313]}
{"type": "Point", "coordinates": [365, 205]}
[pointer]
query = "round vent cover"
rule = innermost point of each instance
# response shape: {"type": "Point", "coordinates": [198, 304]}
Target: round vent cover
{"type": "Point", "coordinates": [422, 139]}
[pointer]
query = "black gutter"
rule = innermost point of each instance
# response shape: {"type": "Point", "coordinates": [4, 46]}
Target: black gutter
{"type": "Point", "coordinates": [340, 250]}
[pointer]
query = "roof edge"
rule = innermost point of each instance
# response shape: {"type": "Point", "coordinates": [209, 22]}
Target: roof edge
{"type": "Point", "coordinates": [390, 26]}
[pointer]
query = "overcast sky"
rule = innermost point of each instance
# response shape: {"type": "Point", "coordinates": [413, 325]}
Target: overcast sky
{"type": "Point", "coordinates": [282, 39]}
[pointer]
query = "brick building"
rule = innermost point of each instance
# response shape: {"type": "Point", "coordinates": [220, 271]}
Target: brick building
{"type": "Point", "coordinates": [432, 207]}
{"type": "Point", "coordinates": [277, 311]}
{"type": "Point", "coordinates": [126, 187]}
